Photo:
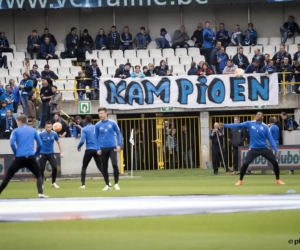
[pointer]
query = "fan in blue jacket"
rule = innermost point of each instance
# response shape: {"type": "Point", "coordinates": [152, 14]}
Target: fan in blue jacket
{"type": "Point", "coordinates": [48, 50]}
{"type": "Point", "coordinates": [269, 68]}
{"type": "Point", "coordinates": [137, 72]}
{"type": "Point", "coordinates": [253, 67]}
{"type": "Point", "coordinates": [101, 40]}
{"type": "Point", "coordinates": [126, 39]}
{"type": "Point", "coordinates": [142, 39]}
{"type": "Point", "coordinates": [33, 44]}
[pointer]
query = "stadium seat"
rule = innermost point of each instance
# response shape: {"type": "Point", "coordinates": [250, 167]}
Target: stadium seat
{"type": "Point", "coordinates": [12, 46]}
{"type": "Point", "coordinates": [19, 56]}
{"type": "Point", "coordinates": [275, 41]}
{"type": "Point", "coordinates": [54, 63]}
{"type": "Point", "coordinates": [64, 71]}
{"type": "Point", "coordinates": [69, 86]}
{"type": "Point", "coordinates": [111, 70]}
{"type": "Point", "coordinates": [152, 45]}
{"type": "Point", "coordinates": [60, 86]}
{"type": "Point", "coordinates": [181, 52]}
{"type": "Point", "coordinates": [134, 61]}
{"type": "Point", "coordinates": [103, 54]}
{"type": "Point", "coordinates": [178, 69]}
{"type": "Point", "coordinates": [173, 60]}
{"type": "Point", "coordinates": [187, 67]}
{"type": "Point", "coordinates": [231, 50]}
{"type": "Point", "coordinates": [17, 64]}
{"type": "Point", "coordinates": [257, 47]}
{"type": "Point", "coordinates": [290, 41]}
{"type": "Point", "coordinates": [157, 60]}
{"type": "Point", "coordinates": [293, 49]}
{"type": "Point", "coordinates": [155, 53]}
{"type": "Point", "coordinates": [31, 62]}
{"type": "Point", "coordinates": [2, 79]}
{"type": "Point", "coordinates": [168, 53]}
{"type": "Point", "coordinates": [121, 61]}
{"type": "Point", "coordinates": [65, 62]}
{"type": "Point", "coordinates": [117, 54]}
{"type": "Point", "coordinates": [74, 70]}
{"type": "Point", "coordinates": [60, 47]}
{"type": "Point", "coordinates": [143, 53]}
{"type": "Point", "coordinates": [17, 79]}
{"type": "Point", "coordinates": [270, 49]}
{"type": "Point", "coordinates": [198, 58]}
{"type": "Point", "coordinates": [108, 62]}
{"type": "Point", "coordinates": [263, 41]}
{"type": "Point", "coordinates": [191, 43]}
{"type": "Point", "coordinates": [247, 49]}
{"type": "Point", "coordinates": [22, 47]}
{"type": "Point", "coordinates": [130, 54]}
{"type": "Point", "coordinates": [54, 69]}
{"type": "Point", "coordinates": [105, 76]}
{"type": "Point", "coordinates": [193, 51]}
{"type": "Point", "coordinates": [89, 56]}
{"type": "Point", "coordinates": [186, 60]}
{"type": "Point", "coordinates": [180, 74]}
{"type": "Point", "coordinates": [10, 56]}
{"type": "Point", "coordinates": [250, 56]}
{"type": "Point", "coordinates": [41, 64]}
{"type": "Point", "coordinates": [103, 69]}
{"type": "Point", "coordinates": [297, 39]}
{"type": "Point", "coordinates": [68, 95]}
{"type": "Point", "coordinates": [14, 72]}
{"type": "Point", "coordinates": [146, 61]}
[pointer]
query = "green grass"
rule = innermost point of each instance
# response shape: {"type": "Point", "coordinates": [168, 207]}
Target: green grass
{"type": "Point", "coordinates": [261, 230]}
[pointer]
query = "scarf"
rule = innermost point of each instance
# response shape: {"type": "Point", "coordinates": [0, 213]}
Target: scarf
{"type": "Point", "coordinates": [9, 123]}
{"type": "Point", "coordinates": [95, 80]}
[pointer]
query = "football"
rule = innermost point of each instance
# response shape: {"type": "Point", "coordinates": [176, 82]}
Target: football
{"type": "Point", "coordinates": [57, 127]}
{"type": "Point", "coordinates": [239, 72]}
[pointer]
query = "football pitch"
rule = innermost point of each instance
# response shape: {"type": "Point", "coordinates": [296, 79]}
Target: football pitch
{"type": "Point", "coordinates": [252, 230]}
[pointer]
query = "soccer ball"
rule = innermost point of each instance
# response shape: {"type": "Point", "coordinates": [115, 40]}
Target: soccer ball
{"type": "Point", "coordinates": [57, 127]}
{"type": "Point", "coordinates": [239, 72]}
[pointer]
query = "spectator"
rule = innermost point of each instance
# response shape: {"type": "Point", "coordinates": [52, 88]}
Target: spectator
{"type": "Point", "coordinates": [142, 39]}
{"type": "Point", "coordinates": [223, 35]}
{"type": "Point", "coordinates": [72, 42]}
{"type": "Point", "coordinates": [2, 89]}
{"type": "Point", "coordinates": [113, 39]}
{"type": "Point", "coordinates": [31, 111]}
{"type": "Point", "coordinates": [2, 109]}
{"type": "Point", "coordinates": [81, 84]}
{"type": "Point", "coordinates": [200, 64]}
{"type": "Point", "coordinates": [286, 67]}
{"type": "Point", "coordinates": [33, 44]}
{"type": "Point", "coordinates": [46, 95]}
{"type": "Point", "coordinates": [236, 36]}
{"type": "Point", "coordinates": [230, 68]}
{"type": "Point", "coordinates": [145, 70]}
{"type": "Point", "coordinates": [274, 130]}
{"type": "Point", "coordinates": [15, 91]}
{"type": "Point", "coordinates": [240, 59]}
{"type": "Point", "coordinates": [171, 144]}
{"type": "Point", "coordinates": [198, 36]}
{"type": "Point", "coordinates": [123, 71]}
{"type": "Point", "coordinates": [4, 44]}
{"type": "Point", "coordinates": [296, 55]}
{"type": "Point", "coordinates": [162, 68]}
{"type": "Point", "coordinates": [55, 102]}
{"type": "Point", "coordinates": [3, 61]}
{"type": "Point", "coordinates": [267, 58]}
{"type": "Point", "coordinates": [213, 56]}
{"type": "Point", "coordinates": [279, 125]}
{"type": "Point", "coordinates": [250, 35]}
{"type": "Point", "coordinates": [49, 75]}
{"type": "Point", "coordinates": [64, 131]}
{"type": "Point", "coordinates": [289, 123]}
{"type": "Point", "coordinates": [75, 126]}
{"type": "Point", "coordinates": [126, 39]}
{"type": "Point", "coordinates": [187, 142]}
{"type": "Point", "coordinates": [164, 41]}
{"type": "Point", "coordinates": [260, 57]}
{"type": "Point", "coordinates": [296, 71]}
{"type": "Point", "coordinates": [193, 70]}
{"type": "Point", "coordinates": [93, 72]}
{"type": "Point", "coordinates": [8, 96]}
{"type": "Point", "coordinates": [86, 42]}
{"type": "Point", "coordinates": [7, 124]}
{"type": "Point", "coordinates": [151, 71]}
{"type": "Point", "coordinates": [269, 68]}
{"type": "Point", "coordinates": [137, 72]}
{"type": "Point", "coordinates": [279, 56]}
{"type": "Point", "coordinates": [169, 72]}
{"type": "Point", "coordinates": [221, 59]}
{"type": "Point", "coordinates": [288, 29]}
{"type": "Point", "coordinates": [101, 40]}
{"type": "Point", "coordinates": [180, 38]}
{"type": "Point", "coordinates": [48, 50]}
{"type": "Point", "coordinates": [205, 70]}
{"type": "Point", "coordinates": [34, 75]}
{"type": "Point", "coordinates": [208, 39]}
{"type": "Point", "coordinates": [253, 68]}
{"type": "Point", "coordinates": [26, 87]}
{"type": "Point", "coordinates": [47, 34]}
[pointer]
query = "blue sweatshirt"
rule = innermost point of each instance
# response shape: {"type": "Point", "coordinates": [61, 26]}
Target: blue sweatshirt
{"type": "Point", "coordinates": [221, 38]}
{"type": "Point", "coordinates": [47, 49]}
{"type": "Point", "coordinates": [258, 133]}
{"type": "Point", "coordinates": [250, 69]}
{"type": "Point", "coordinates": [28, 84]}
{"type": "Point", "coordinates": [8, 97]}
{"type": "Point", "coordinates": [274, 130]}
{"type": "Point", "coordinates": [48, 142]}
{"type": "Point", "coordinates": [88, 137]}
{"type": "Point", "coordinates": [24, 137]}
{"type": "Point", "coordinates": [208, 35]}
{"type": "Point", "coordinates": [16, 93]}
{"type": "Point", "coordinates": [134, 75]}
{"type": "Point", "coordinates": [105, 134]}
{"type": "Point", "coordinates": [2, 113]}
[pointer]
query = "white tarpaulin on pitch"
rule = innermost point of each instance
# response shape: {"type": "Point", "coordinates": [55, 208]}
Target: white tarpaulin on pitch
{"type": "Point", "coordinates": [189, 91]}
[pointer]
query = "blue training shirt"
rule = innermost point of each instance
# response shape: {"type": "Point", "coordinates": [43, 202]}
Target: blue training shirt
{"type": "Point", "coordinates": [274, 130]}
{"type": "Point", "coordinates": [88, 136]}
{"type": "Point", "coordinates": [258, 133]}
{"type": "Point", "coordinates": [48, 142]}
{"type": "Point", "coordinates": [22, 141]}
{"type": "Point", "coordinates": [105, 134]}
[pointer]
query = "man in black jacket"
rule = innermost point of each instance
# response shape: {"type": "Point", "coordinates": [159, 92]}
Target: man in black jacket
{"type": "Point", "coordinates": [47, 34]}
{"type": "Point", "coordinates": [94, 73]}
{"type": "Point", "coordinates": [86, 42]}
{"type": "Point", "coordinates": [7, 124]}
{"type": "Point", "coordinates": [279, 56]}
{"type": "Point", "coordinates": [288, 29]}
{"type": "Point", "coordinates": [123, 71]}
{"type": "Point", "coordinates": [198, 36]}
{"type": "Point", "coordinates": [286, 67]}
{"type": "Point", "coordinates": [65, 128]}
{"type": "Point", "coordinates": [236, 139]}
{"type": "Point", "coordinates": [72, 42]}
{"type": "Point", "coordinates": [49, 75]}
{"type": "Point", "coordinates": [240, 59]}
{"type": "Point", "coordinates": [113, 39]}
{"type": "Point", "coordinates": [46, 94]}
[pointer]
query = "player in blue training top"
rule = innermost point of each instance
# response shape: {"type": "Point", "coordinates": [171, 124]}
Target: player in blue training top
{"type": "Point", "coordinates": [88, 136]}
{"type": "Point", "coordinates": [258, 133]}
{"type": "Point", "coordinates": [22, 144]}
{"type": "Point", "coordinates": [47, 152]}
{"type": "Point", "coordinates": [105, 131]}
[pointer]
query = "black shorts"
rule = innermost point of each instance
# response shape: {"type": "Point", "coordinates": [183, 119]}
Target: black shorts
{"type": "Point", "coordinates": [47, 157]}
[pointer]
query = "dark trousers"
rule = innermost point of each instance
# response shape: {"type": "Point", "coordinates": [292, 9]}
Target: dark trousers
{"type": "Point", "coordinates": [3, 61]}
{"type": "Point", "coordinates": [88, 155]}
{"type": "Point", "coordinates": [32, 50]}
{"type": "Point", "coordinates": [6, 50]}
{"type": "Point", "coordinates": [106, 154]}
{"type": "Point", "coordinates": [217, 159]}
{"type": "Point", "coordinates": [181, 45]}
{"type": "Point", "coordinates": [264, 152]}
{"type": "Point", "coordinates": [235, 158]}
{"type": "Point", "coordinates": [23, 162]}
{"type": "Point", "coordinates": [207, 53]}
{"type": "Point", "coordinates": [52, 161]}
{"type": "Point", "coordinates": [15, 105]}
{"type": "Point", "coordinates": [45, 113]}
{"type": "Point", "coordinates": [44, 57]}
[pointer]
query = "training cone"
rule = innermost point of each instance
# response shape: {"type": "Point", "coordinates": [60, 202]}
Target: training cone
{"type": "Point", "coordinates": [291, 191]}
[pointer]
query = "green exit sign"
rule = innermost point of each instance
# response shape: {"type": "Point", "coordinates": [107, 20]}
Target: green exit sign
{"type": "Point", "coordinates": [259, 107]}
{"type": "Point", "coordinates": [167, 109]}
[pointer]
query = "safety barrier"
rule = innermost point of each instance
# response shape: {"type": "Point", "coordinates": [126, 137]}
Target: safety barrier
{"type": "Point", "coordinates": [284, 83]}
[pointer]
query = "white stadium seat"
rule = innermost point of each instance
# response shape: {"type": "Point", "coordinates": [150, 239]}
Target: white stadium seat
{"type": "Point", "coordinates": [74, 70]}
{"type": "Point", "coordinates": [13, 46]}
{"type": "Point", "coordinates": [186, 60]}
{"type": "Point", "coordinates": [60, 47]}
{"type": "Point", "coordinates": [143, 53]}
{"type": "Point", "coordinates": [19, 56]}
{"type": "Point", "coordinates": [191, 43]}
{"type": "Point", "coordinates": [198, 58]}
{"type": "Point", "coordinates": [65, 62]}
{"type": "Point", "coordinates": [297, 39]}
{"type": "Point", "coordinates": [64, 71]}
{"type": "Point", "coordinates": [247, 49]}
{"type": "Point", "coordinates": [17, 79]}
{"type": "Point", "coordinates": [168, 52]}
{"type": "Point", "coordinates": [117, 54]}
{"type": "Point", "coordinates": [89, 56]}
{"type": "Point", "coordinates": [157, 60]}
{"type": "Point", "coordinates": [103, 69]}
{"type": "Point", "coordinates": [60, 86]}
{"type": "Point", "coordinates": [187, 67]}
{"type": "Point", "coordinates": [22, 47]}
{"type": "Point", "coordinates": [180, 74]}
{"type": "Point", "coordinates": [257, 47]}
{"type": "Point", "coordinates": [270, 49]}
{"type": "Point", "coordinates": [121, 61]}
{"type": "Point", "coordinates": [41, 64]}
{"type": "Point", "coordinates": [262, 41]}
{"type": "Point", "coordinates": [17, 64]}
{"type": "Point", "coordinates": [108, 62]}
{"type": "Point", "coordinates": [111, 70]}
{"type": "Point", "coordinates": [231, 50]}
{"type": "Point", "coordinates": [105, 76]}
{"type": "Point", "coordinates": [130, 54]}
{"type": "Point", "coordinates": [293, 49]}
{"type": "Point", "coordinates": [54, 63]}
{"type": "Point", "coordinates": [14, 72]}
{"type": "Point", "coordinates": [155, 53]}
{"type": "Point", "coordinates": [134, 61]}
{"type": "Point", "coordinates": [152, 45]}
{"type": "Point", "coordinates": [194, 51]}
{"type": "Point", "coordinates": [173, 60]}
{"type": "Point", "coordinates": [178, 69]}
{"type": "Point", "coordinates": [68, 95]}
{"type": "Point", "coordinates": [275, 41]}
{"type": "Point", "coordinates": [10, 56]}
{"type": "Point", "coordinates": [103, 54]}
{"type": "Point", "coordinates": [146, 61]}
{"type": "Point", "coordinates": [181, 52]}
{"type": "Point", "coordinates": [54, 69]}
{"type": "Point", "coordinates": [290, 41]}
{"type": "Point", "coordinates": [2, 79]}
{"type": "Point", "coordinates": [69, 86]}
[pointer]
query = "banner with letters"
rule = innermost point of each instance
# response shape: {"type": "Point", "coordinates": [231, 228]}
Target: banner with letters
{"type": "Point", "coordinates": [289, 159]}
{"type": "Point", "coordinates": [193, 92]}
{"type": "Point", "coordinates": [24, 173]}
